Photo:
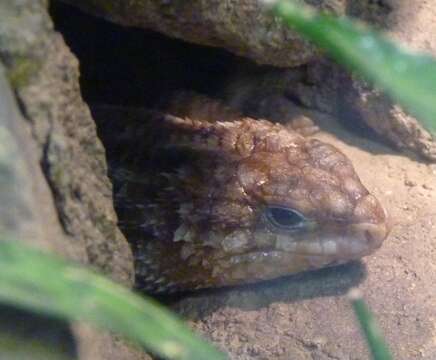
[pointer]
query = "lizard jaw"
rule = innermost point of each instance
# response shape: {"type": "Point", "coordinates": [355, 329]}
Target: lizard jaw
{"type": "Point", "coordinates": [290, 256]}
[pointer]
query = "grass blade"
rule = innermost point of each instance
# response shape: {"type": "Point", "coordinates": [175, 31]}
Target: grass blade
{"type": "Point", "coordinates": [408, 78]}
{"type": "Point", "coordinates": [376, 343]}
{"type": "Point", "coordinates": [46, 284]}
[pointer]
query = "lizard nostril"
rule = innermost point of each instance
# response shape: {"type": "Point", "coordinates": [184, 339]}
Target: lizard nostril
{"type": "Point", "coordinates": [375, 234]}
{"type": "Point", "coordinates": [368, 236]}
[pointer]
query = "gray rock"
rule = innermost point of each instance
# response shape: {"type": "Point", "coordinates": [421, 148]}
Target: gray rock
{"type": "Point", "coordinates": [27, 214]}
{"type": "Point", "coordinates": [45, 76]}
{"type": "Point", "coordinates": [388, 119]}
{"type": "Point", "coordinates": [241, 27]}
{"type": "Point", "coordinates": [54, 193]}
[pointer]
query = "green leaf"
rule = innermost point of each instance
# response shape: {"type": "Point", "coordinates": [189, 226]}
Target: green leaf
{"type": "Point", "coordinates": [409, 79]}
{"type": "Point", "coordinates": [376, 343]}
{"type": "Point", "coordinates": [46, 284]}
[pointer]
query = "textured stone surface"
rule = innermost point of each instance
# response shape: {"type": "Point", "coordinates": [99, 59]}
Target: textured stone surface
{"type": "Point", "coordinates": [240, 26]}
{"type": "Point", "coordinates": [45, 75]}
{"type": "Point", "coordinates": [27, 214]}
{"type": "Point", "coordinates": [54, 193]}
{"type": "Point", "coordinates": [364, 103]}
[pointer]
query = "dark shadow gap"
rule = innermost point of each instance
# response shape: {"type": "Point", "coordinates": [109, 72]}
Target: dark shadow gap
{"type": "Point", "coordinates": [128, 66]}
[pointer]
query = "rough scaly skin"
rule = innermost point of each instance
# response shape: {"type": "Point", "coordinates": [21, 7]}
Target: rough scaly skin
{"type": "Point", "coordinates": [194, 193]}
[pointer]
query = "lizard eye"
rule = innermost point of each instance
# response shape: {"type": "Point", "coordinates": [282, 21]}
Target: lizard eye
{"type": "Point", "coordinates": [285, 218]}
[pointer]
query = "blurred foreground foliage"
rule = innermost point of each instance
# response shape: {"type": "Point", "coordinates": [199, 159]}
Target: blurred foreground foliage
{"type": "Point", "coordinates": [43, 283]}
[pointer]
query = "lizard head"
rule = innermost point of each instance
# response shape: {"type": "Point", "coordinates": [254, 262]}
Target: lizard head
{"type": "Point", "coordinates": [218, 203]}
{"type": "Point", "coordinates": [272, 203]}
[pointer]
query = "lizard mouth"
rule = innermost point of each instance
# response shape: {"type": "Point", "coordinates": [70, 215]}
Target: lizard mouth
{"type": "Point", "coordinates": [313, 251]}
{"type": "Point", "coordinates": [356, 240]}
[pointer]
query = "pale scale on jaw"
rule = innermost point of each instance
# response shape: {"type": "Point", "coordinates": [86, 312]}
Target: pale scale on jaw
{"type": "Point", "coordinates": [226, 199]}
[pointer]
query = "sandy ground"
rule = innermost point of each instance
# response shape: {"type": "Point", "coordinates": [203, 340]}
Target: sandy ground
{"type": "Point", "coordinates": [308, 316]}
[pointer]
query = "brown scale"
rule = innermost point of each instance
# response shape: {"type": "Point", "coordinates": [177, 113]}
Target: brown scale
{"type": "Point", "coordinates": [210, 198]}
